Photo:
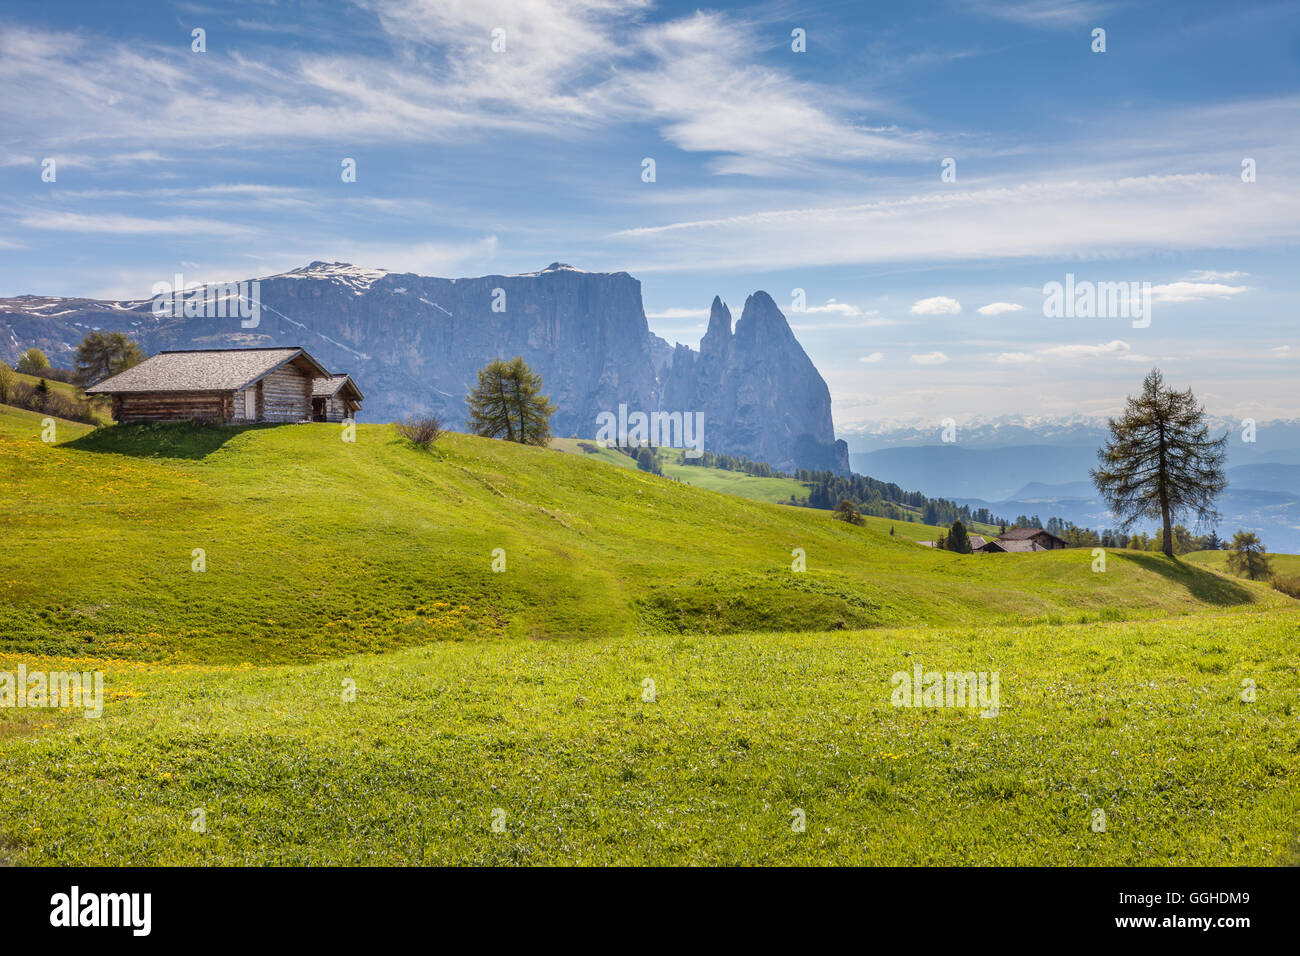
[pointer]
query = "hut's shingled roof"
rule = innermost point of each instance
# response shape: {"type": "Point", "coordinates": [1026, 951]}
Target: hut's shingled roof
{"type": "Point", "coordinates": [201, 370]}
{"type": "Point", "coordinates": [1016, 546]}
{"type": "Point", "coordinates": [1025, 534]}
{"type": "Point", "coordinates": [325, 387]}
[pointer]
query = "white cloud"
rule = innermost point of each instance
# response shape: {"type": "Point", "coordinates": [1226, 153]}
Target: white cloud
{"type": "Point", "coordinates": [1283, 351]}
{"type": "Point", "coordinates": [936, 305]}
{"type": "Point", "coordinates": [1014, 358]}
{"type": "Point", "coordinates": [1194, 291]}
{"type": "Point", "coordinates": [1115, 348]}
{"type": "Point", "coordinates": [837, 308]}
{"type": "Point", "coordinates": [874, 358]}
{"type": "Point", "coordinates": [997, 308]}
{"type": "Point", "coordinates": [930, 358]}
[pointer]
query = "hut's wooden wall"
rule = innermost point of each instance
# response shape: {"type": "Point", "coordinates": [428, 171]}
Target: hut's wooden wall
{"type": "Point", "coordinates": [338, 408]}
{"type": "Point", "coordinates": [171, 406]}
{"type": "Point", "coordinates": [238, 405]}
{"type": "Point", "coordinates": [285, 395]}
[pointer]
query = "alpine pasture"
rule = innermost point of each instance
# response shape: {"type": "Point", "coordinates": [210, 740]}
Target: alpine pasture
{"type": "Point", "coordinates": [306, 639]}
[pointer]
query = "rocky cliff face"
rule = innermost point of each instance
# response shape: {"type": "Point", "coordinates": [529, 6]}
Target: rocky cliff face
{"type": "Point", "coordinates": [760, 393]}
{"type": "Point", "coordinates": [415, 343]}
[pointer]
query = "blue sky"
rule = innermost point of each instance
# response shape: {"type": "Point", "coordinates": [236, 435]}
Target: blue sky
{"type": "Point", "coordinates": [774, 170]}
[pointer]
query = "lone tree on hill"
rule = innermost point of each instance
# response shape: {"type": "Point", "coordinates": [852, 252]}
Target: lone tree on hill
{"type": "Point", "coordinates": [1160, 460]}
{"type": "Point", "coordinates": [846, 510]}
{"type": "Point", "coordinates": [102, 354]}
{"type": "Point", "coordinates": [1247, 556]}
{"type": "Point", "coordinates": [508, 403]}
{"type": "Point", "coordinates": [958, 540]}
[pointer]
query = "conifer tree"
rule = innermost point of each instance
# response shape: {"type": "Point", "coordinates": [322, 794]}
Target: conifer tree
{"type": "Point", "coordinates": [508, 403]}
{"type": "Point", "coordinates": [1248, 556]}
{"type": "Point", "coordinates": [1160, 461]}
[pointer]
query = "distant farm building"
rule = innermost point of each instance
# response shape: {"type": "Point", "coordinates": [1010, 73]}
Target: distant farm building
{"type": "Point", "coordinates": [976, 542]}
{"type": "Point", "coordinates": [1019, 540]}
{"type": "Point", "coordinates": [230, 386]}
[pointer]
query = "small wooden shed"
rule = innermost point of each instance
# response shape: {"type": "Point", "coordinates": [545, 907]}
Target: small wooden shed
{"type": "Point", "coordinates": [217, 385]}
{"type": "Point", "coordinates": [335, 399]}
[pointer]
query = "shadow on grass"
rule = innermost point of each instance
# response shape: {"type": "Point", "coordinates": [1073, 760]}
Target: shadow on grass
{"type": "Point", "coordinates": [188, 440]}
{"type": "Point", "coordinates": [1204, 585]}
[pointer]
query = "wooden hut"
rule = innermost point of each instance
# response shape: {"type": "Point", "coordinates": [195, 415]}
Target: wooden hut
{"type": "Point", "coordinates": [335, 399]}
{"type": "Point", "coordinates": [1019, 540]}
{"type": "Point", "coordinates": [217, 385]}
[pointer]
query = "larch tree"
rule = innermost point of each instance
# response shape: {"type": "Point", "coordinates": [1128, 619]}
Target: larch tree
{"type": "Point", "coordinates": [508, 403]}
{"type": "Point", "coordinates": [1247, 556]}
{"type": "Point", "coordinates": [102, 354]}
{"type": "Point", "coordinates": [1160, 461]}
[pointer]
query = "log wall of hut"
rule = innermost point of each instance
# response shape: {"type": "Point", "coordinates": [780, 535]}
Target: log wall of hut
{"type": "Point", "coordinates": [285, 395]}
{"type": "Point", "coordinates": [338, 408]}
{"type": "Point", "coordinates": [171, 406]}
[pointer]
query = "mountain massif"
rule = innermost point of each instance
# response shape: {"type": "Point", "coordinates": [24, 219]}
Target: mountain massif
{"type": "Point", "coordinates": [414, 344]}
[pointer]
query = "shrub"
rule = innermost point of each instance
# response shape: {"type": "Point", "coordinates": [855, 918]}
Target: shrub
{"type": "Point", "coordinates": [45, 400]}
{"type": "Point", "coordinates": [422, 430]}
{"type": "Point", "coordinates": [847, 511]}
{"type": "Point", "coordinates": [7, 382]}
{"type": "Point", "coordinates": [1290, 586]}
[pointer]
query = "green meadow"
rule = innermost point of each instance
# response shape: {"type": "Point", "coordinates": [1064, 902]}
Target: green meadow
{"type": "Point", "coordinates": [1284, 564]}
{"type": "Point", "coordinates": [651, 677]}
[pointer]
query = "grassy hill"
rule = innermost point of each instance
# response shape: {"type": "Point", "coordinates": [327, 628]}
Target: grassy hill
{"type": "Point", "coordinates": [101, 406]}
{"type": "Point", "coordinates": [315, 547]}
{"type": "Point", "coordinates": [522, 694]}
{"type": "Point", "coordinates": [771, 490]}
{"type": "Point", "coordinates": [1284, 564]}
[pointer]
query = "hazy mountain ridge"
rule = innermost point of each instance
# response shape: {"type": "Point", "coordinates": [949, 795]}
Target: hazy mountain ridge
{"type": "Point", "coordinates": [1051, 479]}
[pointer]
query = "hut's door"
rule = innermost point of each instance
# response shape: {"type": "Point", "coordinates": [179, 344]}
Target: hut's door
{"type": "Point", "coordinates": [250, 404]}
{"type": "Point", "coordinates": [318, 409]}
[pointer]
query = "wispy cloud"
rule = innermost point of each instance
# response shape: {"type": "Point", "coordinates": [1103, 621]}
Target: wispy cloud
{"type": "Point", "coordinates": [1116, 349]}
{"type": "Point", "coordinates": [1042, 13]}
{"type": "Point", "coordinates": [1112, 217]}
{"type": "Point", "coordinates": [558, 68]}
{"type": "Point", "coordinates": [122, 225]}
